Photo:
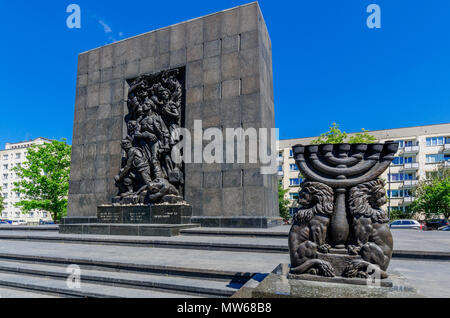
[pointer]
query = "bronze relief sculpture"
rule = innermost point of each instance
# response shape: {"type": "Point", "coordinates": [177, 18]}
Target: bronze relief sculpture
{"type": "Point", "coordinates": [340, 212]}
{"type": "Point", "coordinates": [148, 174]}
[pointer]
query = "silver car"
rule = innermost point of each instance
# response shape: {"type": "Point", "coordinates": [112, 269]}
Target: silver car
{"type": "Point", "coordinates": [406, 224]}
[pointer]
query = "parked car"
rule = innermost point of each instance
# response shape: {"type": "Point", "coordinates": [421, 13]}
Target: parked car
{"type": "Point", "coordinates": [405, 224]}
{"type": "Point", "coordinates": [444, 228]}
{"type": "Point", "coordinates": [42, 222]}
{"type": "Point", "coordinates": [4, 223]}
{"type": "Point", "coordinates": [435, 224]}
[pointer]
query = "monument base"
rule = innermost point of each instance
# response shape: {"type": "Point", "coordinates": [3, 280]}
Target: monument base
{"type": "Point", "coordinates": [280, 284]}
{"type": "Point", "coordinates": [135, 220]}
{"type": "Point", "coordinates": [259, 222]}
{"type": "Point", "coordinates": [165, 230]}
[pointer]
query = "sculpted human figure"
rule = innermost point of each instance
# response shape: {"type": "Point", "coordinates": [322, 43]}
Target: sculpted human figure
{"type": "Point", "coordinates": [153, 138]}
{"type": "Point", "coordinates": [309, 231]}
{"type": "Point", "coordinates": [136, 165]}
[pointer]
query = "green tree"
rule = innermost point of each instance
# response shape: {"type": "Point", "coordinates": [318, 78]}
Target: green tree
{"type": "Point", "coordinates": [362, 138]}
{"type": "Point", "coordinates": [333, 136]}
{"type": "Point", "coordinates": [433, 194]}
{"type": "Point", "coordinates": [400, 214]}
{"type": "Point", "coordinates": [336, 136]}
{"type": "Point", "coordinates": [283, 202]}
{"type": "Point", "coordinates": [2, 206]}
{"type": "Point", "coordinates": [44, 179]}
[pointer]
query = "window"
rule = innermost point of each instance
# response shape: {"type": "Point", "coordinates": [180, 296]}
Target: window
{"type": "Point", "coordinates": [394, 177]}
{"type": "Point", "coordinates": [5, 167]}
{"type": "Point", "coordinates": [397, 161]}
{"type": "Point", "coordinates": [291, 153]}
{"type": "Point", "coordinates": [293, 211]}
{"type": "Point", "coordinates": [409, 176]}
{"type": "Point", "coordinates": [5, 186]}
{"type": "Point", "coordinates": [437, 141]}
{"type": "Point", "coordinates": [397, 177]}
{"type": "Point", "coordinates": [17, 194]}
{"type": "Point", "coordinates": [293, 167]}
{"type": "Point", "coordinates": [406, 143]}
{"type": "Point", "coordinates": [5, 176]}
{"type": "Point", "coordinates": [280, 168]}
{"type": "Point", "coordinates": [293, 196]}
{"type": "Point", "coordinates": [31, 214]}
{"type": "Point", "coordinates": [5, 195]}
{"type": "Point", "coordinates": [5, 157]}
{"type": "Point", "coordinates": [280, 155]}
{"type": "Point", "coordinates": [17, 155]}
{"type": "Point", "coordinates": [293, 182]}
{"type": "Point", "coordinates": [435, 158]}
{"type": "Point", "coordinates": [399, 193]}
{"type": "Point", "coordinates": [44, 214]}
{"type": "Point", "coordinates": [409, 159]}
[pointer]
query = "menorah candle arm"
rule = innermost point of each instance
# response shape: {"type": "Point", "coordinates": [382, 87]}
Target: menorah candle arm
{"type": "Point", "coordinates": [312, 175]}
{"type": "Point", "coordinates": [332, 171]}
{"type": "Point", "coordinates": [350, 161]}
{"type": "Point", "coordinates": [339, 225]}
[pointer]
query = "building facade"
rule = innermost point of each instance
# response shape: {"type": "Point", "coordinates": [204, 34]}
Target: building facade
{"type": "Point", "coordinates": [421, 150]}
{"type": "Point", "coordinates": [13, 155]}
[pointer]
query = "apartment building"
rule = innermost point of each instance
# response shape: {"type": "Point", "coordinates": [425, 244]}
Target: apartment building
{"type": "Point", "coordinates": [421, 150]}
{"type": "Point", "coordinates": [13, 155]}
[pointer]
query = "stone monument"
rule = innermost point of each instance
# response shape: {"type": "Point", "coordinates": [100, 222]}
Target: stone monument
{"type": "Point", "coordinates": [340, 243]}
{"type": "Point", "coordinates": [130, 98]}
{"type": "Point", "coordinates": [341, 229]}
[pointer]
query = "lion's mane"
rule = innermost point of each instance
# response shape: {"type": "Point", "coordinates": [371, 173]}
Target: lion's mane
{"type": "Point", "coordinates": [363, 201]}
{"type": "Point", "coordinates": [321, 201]}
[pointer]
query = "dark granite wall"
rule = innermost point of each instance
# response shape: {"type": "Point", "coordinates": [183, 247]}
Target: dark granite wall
{"type": "Point", "coordinates": [228, 59]}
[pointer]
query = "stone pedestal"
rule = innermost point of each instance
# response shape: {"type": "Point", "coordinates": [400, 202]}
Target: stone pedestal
{"type": "Point", "coordinates": [145, 214]}
{"type": "Point", "coordinates": [279, 284]}
{"type": "Point", "coordinates": [141, 220]}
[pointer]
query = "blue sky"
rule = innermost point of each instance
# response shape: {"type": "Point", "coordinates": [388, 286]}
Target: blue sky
{"type": "Point", "coordinates": [328, 66]}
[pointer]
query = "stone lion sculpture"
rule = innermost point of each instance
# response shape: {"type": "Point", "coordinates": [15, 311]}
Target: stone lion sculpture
{"type": "Point", "coordinates": [372, 239]}
{"type": "Point", "coordinates": [308, 233]}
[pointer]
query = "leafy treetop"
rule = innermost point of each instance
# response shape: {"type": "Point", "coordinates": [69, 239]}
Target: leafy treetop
{"type": "Point", "coordinates": [336, 136]}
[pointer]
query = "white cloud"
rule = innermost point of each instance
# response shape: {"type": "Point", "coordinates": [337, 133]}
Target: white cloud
{"type": "Point", "coordinates": [106, 27]}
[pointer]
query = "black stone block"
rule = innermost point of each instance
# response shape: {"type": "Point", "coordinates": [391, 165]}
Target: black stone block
{"type": "Point", "coordinates": [123, 230]}
{"type": "Point", "coordinates": [136, 214]}
{"type": "Point", "coordinates": [109, 214]}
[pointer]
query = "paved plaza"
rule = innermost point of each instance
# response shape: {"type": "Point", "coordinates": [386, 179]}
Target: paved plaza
{"type": "Point", "coordinates": [27, 253]}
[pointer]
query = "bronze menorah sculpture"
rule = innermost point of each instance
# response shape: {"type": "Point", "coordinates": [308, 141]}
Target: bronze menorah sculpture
{"type": "Point", "coordinates": [341, 201]}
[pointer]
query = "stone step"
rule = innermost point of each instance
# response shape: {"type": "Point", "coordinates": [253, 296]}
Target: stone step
{"type": "Point", "coordinates": [171, 284]}
{"type": "Point", "coordinates": [60, 287]}
{"type": "Point", "coordinates": [234, 233]}
{"type": "Point", "coordinates": [213, 243]}
{"type": "Point", "coordinates": [11, 292]}
{"type": "Point", "coordinates": [35, 228]}
{"type": "Point", "coordinates": [125, 229]}
{"type": "Point", "coordinates": [102, 265]}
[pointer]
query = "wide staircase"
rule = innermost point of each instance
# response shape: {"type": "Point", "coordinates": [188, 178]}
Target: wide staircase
{"type": "Point", "coordinates": [196, 264]}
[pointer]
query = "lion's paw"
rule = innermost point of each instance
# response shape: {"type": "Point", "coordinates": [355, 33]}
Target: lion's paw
{"type": "Point", "coordinates": [325, 248]}
{"type": "Point", "coordinates": [353, 249]}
